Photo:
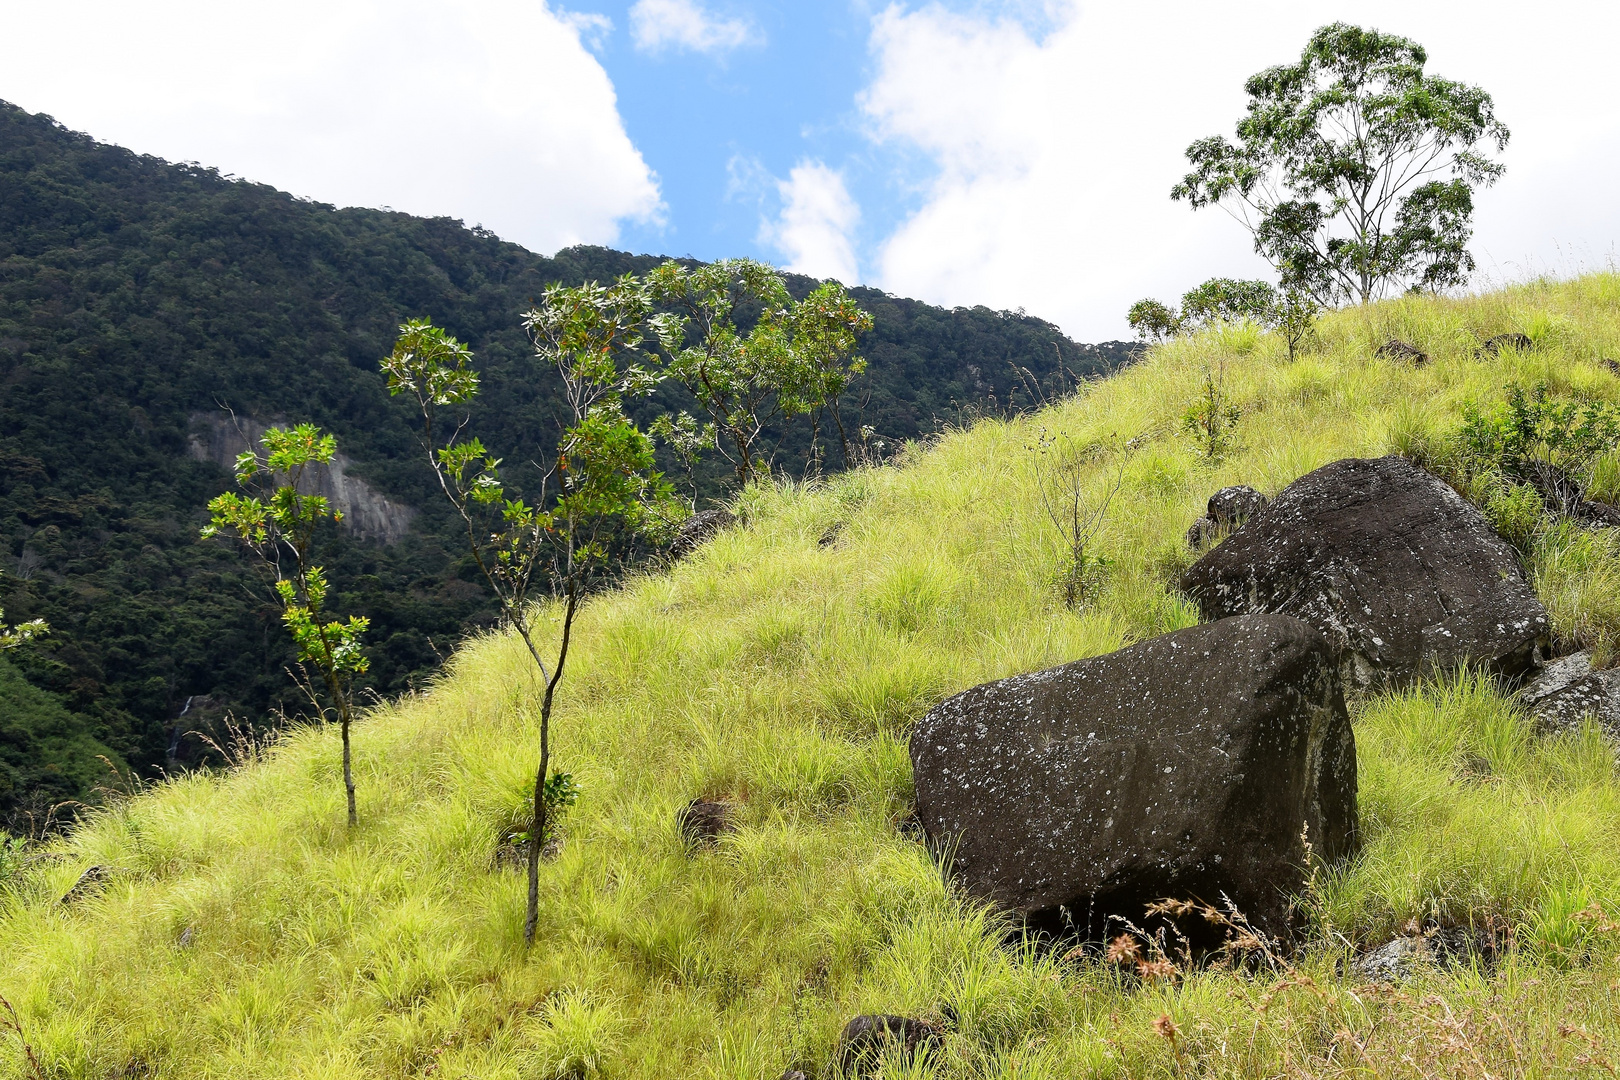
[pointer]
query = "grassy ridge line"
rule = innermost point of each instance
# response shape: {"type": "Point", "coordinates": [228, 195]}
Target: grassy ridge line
{"type": "Point", "coordinates": [776, 670]}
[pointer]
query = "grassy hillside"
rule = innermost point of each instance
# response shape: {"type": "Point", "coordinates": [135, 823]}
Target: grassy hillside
{"type": "Point", "coordinates": [245, 933]}
{"type": "Point", "coordinates": [137, 297]}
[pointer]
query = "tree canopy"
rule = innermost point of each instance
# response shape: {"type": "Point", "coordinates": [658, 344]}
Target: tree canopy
{"type": "Point", "coordinates": [1354, 170]}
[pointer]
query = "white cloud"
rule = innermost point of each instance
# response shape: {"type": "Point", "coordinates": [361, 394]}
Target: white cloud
{"type": "Point", "coordinates": [814, 230]}
{"type": "Point", "coordinates": [488, 110]}
{"type": "Point", "coordinates": [656, 25]}
{"type": "Point", "coordinates": [1054, 155]}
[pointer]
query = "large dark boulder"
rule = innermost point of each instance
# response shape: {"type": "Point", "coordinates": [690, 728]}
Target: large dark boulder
{"type": "Point", "coordinates": [1399, 571]}
{"type": "Point", "coordinates": [1186, 767]}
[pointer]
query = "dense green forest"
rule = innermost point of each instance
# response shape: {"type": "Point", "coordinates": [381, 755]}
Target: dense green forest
{"type": "Point", "coordinates": [138, 296]}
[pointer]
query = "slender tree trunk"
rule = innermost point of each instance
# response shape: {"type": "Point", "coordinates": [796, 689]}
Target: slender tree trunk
{"type": "Point", "coordinates": [348, 769]}
{"type": "Point", "coordinates": [843, 439]}
{"type": "Point", "coordinates": [537, 830]}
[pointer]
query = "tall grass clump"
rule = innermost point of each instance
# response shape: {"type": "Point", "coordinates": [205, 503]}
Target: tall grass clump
{"type": "Point", "coordinates": [240, 930]}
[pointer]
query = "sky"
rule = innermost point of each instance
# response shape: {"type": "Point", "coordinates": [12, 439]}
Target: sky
{"type": "Point", "coordinates": [1011, 153]}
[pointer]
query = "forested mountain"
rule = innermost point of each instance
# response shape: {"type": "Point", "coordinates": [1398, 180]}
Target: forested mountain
{"type": "Point", "coordinates": [140, 299]}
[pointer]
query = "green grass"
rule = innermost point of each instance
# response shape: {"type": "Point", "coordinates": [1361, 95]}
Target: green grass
{"type": "Point", "coordinates": [246, 933]}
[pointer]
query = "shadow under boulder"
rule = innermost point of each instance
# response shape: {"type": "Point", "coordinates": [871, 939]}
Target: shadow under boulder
{"type": "Point", "coordinates": [1401, 573]}
{"type": "Point", "coordinates": [1187, 767]}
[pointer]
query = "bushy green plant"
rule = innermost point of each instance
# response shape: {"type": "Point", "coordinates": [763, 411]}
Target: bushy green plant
{"type": "Point", "coordinates": [278, 521]}
{"type": "Point", "coordinates": [1535, 423]}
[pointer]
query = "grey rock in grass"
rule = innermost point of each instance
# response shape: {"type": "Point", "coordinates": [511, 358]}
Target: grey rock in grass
{"type": "Point", "coordinates": [1401, 573]}
{"type": "Point", "coordinates": [1406, 956]}
{"type": "Point", "coordinates": [1227, 509]}
{"type": "Point", "coordinates": [1396, 349]}
{"type": "Point", "coordinates": [89, 882]}
{"type": "Point", "coordinates": [864, 1040]}
{"type": "Point", "coordinates": [698, 530]}
{"type": "Point", "coordinates": [1494, 345]}
{"type": "Point", "coordinates": [1569, 690]}
{"type": "Point", "coordinates": [702, 822]}
{"type": "Point", "coordinates": [1184, 767]}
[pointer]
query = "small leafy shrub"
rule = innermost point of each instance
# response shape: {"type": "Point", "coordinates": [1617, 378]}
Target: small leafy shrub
{"type": "Point", "coordinates": [1212, 417]}
{"type": "Point", "coordinates": [561, 792]}
{"type": "Point", "coordinates": [1534, 424]}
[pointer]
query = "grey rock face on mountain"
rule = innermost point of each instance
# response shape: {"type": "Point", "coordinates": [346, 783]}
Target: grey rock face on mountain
{"type": "Point", "coordinates": [220, 438]}
{"type": "Point", "coordinates": [1227, 509]}
{"type": "Point", "coordinates": [1568, 691]}
{"type": "Point", "coordinates": [1399, 571]}
{"type": "Point", "coordinates": [1183, 767]}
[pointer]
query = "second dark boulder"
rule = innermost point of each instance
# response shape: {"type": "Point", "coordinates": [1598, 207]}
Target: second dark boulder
{"type": "Point", "coordinates": [1399, 571]}
{"type": "Point", "coordinates": [1184, 767]}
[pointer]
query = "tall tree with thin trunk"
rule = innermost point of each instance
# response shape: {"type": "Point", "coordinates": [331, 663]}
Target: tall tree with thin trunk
{"type": "Point", "coordinates": [601, 486]}
{"type": "Point", "coordinates": [277, 520]}
{"type": "Point", "coordinates": [1354, 170]}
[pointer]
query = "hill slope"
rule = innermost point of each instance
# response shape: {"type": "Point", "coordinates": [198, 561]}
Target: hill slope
{"type": "Point", "coordinates": [137, 297]}
{"type": "Point", "coordinates": [243, 932]}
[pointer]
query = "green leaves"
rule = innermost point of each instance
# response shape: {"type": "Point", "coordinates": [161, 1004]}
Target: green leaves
{"type": "Point", "coordinates": [431, 365]}
{"type": "Point", "coordinates": [277, 518]}
{"type": "Point", "coordinates": [1337, 167]}
{"type": "Point", "coordinates": [796, 359]}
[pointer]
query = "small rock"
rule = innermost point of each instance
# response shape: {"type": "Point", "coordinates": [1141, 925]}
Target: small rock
{"type": "Point", "coordinates": [794, 1074]}
{"type": "Point", "coordinates": [1568, 690]}
{"type": "Point", "coordinates": [1227, 509]}
{"type": "Point", "coordinates": [88, 882]}
{"type": "Point", "coordinates": [704, 821]}
{"type": "Point", "coordinates": [513, 854]}
{"type": "Point", "coordinates": [698, 530]}
{"type": "Point", "coordinates": [1396, 349]}
{"type": "Point", "coordinates": [185, 938]}
{"type": "Point", "coordinates": [865, 1038]}
{"type": "Point", "coordinates": [1401, 959]}
{"type": "Point", "coordinates": [1393, 961]}
{"type": "Point", "coordinates": [1494, 345]}
{"type": "Point", "coordinates": [1476, 766]}
{"type": "Point", "coordinates": [1203, 531]}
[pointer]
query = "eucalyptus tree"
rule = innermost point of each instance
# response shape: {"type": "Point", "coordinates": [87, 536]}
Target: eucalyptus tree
{"type": "Point", "coordinates": [601, 484]}
{"type": "Point", "coordinates": [1354, 170]}
{"type": "Point", "coordinates": [795, 359]}
{"type": "Point", "coordinates": [277, 520]}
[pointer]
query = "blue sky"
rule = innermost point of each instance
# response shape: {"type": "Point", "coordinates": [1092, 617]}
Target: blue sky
{"type": "Point", "coordinates": [1012, 153]}
{"type": "Point", "coordinates": [718, 127]}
